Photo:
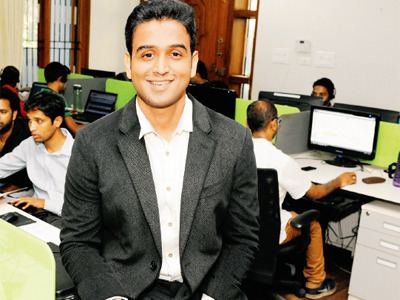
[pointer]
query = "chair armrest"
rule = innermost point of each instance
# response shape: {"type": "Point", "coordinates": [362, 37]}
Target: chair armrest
{"type": "Point", "coordinates": [304, 218]}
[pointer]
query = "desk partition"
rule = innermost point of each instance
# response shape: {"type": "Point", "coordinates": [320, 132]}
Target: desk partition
{"type": "Point", "coordinates": [27, 265]}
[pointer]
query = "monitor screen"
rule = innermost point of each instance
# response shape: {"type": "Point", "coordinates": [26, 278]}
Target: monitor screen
{"type": "Point", "coordinates": [36, 87]}
{"type": "Point", "coordinates": [218, 99]}
{"type": "Point", "coordinates": [346, 133]}
{"type": "Point", "coordinates": [303, 102]}
{"type": "Point", "coordinates": [100, 103]}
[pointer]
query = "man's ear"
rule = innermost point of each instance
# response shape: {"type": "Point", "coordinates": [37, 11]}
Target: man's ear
{"type": "Point", "coordinates": [195, 60]}
{"type": "Point", "coordinates": [58, 121]}
{"type": "Point", "coordinates": [14, 115]}
{"type": "Point", "coordinates": [127, 62]}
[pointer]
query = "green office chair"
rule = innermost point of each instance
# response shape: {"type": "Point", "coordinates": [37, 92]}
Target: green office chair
{"type": "Point", "coordinates": [27, 265]}
{"type": "Point", "coordinates": [124, 89]}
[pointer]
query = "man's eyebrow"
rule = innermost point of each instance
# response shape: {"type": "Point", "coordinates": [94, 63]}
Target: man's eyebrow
{"type": "Point", "coordinates": [140, 48]}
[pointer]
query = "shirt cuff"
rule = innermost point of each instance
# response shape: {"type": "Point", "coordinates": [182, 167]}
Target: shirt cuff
{"type": "Point", "coordinates": [206, 297]}
{"type": "Point", "coordinates": [117, 298]}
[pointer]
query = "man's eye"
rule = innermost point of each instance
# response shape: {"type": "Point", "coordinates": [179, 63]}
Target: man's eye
{"type": "Point", "coordinates": [147, 55]}
{"type": "Point", "coordinates": [176, 54]}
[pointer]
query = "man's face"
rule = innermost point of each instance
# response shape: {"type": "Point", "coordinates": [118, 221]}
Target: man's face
{"type": "Point", "coordinates": [161, 64]}
{"type": "Point", "coordinates": [41, 127]}
{"type": "Point", "coordinates": [321, 91]}
{"type": "Point", "coordinates": [7, 116]}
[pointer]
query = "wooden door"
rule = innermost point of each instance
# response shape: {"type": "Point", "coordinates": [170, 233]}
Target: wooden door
{"type": "Point", "coordinates": [214, 29]}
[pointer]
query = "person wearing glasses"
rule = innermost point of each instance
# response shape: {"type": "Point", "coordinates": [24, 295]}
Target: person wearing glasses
{"type": "Point", "coordinates": [45, 155]}
{"type": "Point", "coordinates": [263, 121]}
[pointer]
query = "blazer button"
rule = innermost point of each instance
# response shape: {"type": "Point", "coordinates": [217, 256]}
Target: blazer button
{"type": "Point", "coordinates": [153, 265]}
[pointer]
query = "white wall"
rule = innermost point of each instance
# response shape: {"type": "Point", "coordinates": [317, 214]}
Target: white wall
{"type": "Point", "coordinates": [363, 36]}
{"type": "Point", "coordinates": [107, 28]}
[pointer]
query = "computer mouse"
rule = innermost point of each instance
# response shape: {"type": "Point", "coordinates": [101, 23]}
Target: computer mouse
{"type": "Point", "coordinates": [10, 217]}
{"type": "Point", "coordinates": [29, 209]}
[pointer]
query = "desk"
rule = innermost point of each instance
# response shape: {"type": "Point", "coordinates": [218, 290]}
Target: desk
{"type": "Point", "coordinates": [325, 172]}
{"type": "Point", "coordinates": [39, 229]}
{"type": "Point", "coordinates": [376, 265]}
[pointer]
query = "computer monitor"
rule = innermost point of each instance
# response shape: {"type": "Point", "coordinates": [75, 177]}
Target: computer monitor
{"type": "Point", "coordinates": [36, 87]}
{"type": "Point", "coordinates": [351, 135]}
{"type": "Point", "coordinates": [218, 99]}
{"type": "Point", "coordinates": [390, 116]}
{"type": "Point", "coordinates": [303, 102]}
{"type": "Point", "coordinates": [98, 73]}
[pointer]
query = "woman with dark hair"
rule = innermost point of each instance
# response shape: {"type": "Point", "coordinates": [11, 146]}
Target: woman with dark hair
{"type": "Point", "coordinates": [9, 77]}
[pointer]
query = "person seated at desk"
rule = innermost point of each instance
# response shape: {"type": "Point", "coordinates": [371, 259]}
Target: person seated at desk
{"type": "Point", "coordinates": [56, 76]}
{"type": "Point", "coordinates": [9, 79]}
{"type": "Point", "coordinates": [45, 155]}
{"type": "Point", "coordinates": [13, 130]}
{"type": "Point", "coordinates": [263, 121]}
{"type": "Point", "coordinates": [325, 89]}
{"type": "Point", "coordinates": [201, 77]}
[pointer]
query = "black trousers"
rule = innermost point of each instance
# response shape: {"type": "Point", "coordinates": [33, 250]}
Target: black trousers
{"type": "Point", "coordinates": [165, 290]}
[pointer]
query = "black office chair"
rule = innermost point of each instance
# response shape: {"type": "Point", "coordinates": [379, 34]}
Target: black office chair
{"type": "Point", "coordinates": [277, 266]}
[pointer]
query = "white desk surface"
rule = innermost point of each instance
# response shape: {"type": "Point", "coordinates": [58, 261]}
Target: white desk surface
{"type": "Point", "coordinates": [325, 172]}
{"type": "Point", "coordinates": [39, 229]}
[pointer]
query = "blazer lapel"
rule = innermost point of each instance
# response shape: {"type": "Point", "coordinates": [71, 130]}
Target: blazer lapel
{"type": "Point", "coordinates": [134, 153]}
{"type": "Point", "coordinates": [200, 153]}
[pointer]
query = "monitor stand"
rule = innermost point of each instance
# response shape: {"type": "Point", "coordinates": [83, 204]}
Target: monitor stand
{"type": "Point", "coordinates": [341, 161]}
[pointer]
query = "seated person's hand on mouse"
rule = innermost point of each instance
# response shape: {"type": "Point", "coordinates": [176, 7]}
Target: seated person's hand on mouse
{"type": "Point", "coordinates": [26, 202]}
{"type": "Point", "coordinates": [347, 178]}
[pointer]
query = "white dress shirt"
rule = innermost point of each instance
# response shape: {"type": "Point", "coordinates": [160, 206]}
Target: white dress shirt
{"type": "Point", "coordinates": [167, 161]}
{"type": "Point", "coordinates": [290, 176]}
{"type": "Point", "coordinates": [45, 170]}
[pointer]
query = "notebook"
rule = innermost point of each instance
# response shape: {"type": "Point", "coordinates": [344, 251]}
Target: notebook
{"type": "Point", "coordinates": [98, 105]}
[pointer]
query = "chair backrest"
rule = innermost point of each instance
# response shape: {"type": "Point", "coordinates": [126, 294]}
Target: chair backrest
{"type": "Point", "coordinates": [124, 89]}
{"type": "Point", "coordinates": [264, 266]}
{"type": "Point", "coordinates": [27, 265]}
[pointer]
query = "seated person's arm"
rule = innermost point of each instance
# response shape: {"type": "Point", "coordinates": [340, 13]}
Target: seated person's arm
{"type": "Point", "coordinates": [72, 125]}
{"type": "Point", "coordinates": [317, 191]}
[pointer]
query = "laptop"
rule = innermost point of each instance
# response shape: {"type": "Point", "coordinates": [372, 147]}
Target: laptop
{"type": "Point", "coordinates": [293, 133]}
{"type": "Point", "coordinates": [98, 105]}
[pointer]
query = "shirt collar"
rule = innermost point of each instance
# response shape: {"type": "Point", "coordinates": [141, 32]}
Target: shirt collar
{"type": "Point", "coordinates": [65, 149]}
{"type": "Point", "coordinates": [185, 123]}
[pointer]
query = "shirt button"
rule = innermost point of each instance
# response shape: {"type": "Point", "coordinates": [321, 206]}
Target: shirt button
{"type": "Point", "coordinates": [170, 224]}
{"type": "Point", "coordinates": [168, 188]}
{"type": "Point", "coordinates": [170, 255]}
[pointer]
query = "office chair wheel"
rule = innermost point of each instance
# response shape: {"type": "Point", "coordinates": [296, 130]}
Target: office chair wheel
{"type": "Point", "coordinates": [301, 292]}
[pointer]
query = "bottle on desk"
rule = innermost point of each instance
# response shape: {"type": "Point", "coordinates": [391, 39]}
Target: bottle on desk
{"type": "Point", "coordinates": [394, 172]}
{"type": "Point", "coordinates": [77, 104]}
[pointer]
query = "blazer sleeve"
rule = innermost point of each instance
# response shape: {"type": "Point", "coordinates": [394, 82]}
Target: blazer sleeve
{"type": "Point", "coordinates": [82, 221]}
{"type": "Point", "coordinates": [240, 230]}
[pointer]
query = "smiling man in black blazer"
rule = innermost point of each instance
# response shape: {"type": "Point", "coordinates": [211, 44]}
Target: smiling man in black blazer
{"type": "Point", "coordinates": [161, 196]}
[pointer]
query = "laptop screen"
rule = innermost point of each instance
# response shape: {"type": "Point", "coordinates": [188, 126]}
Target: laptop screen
{"type": "Point", "coordinates": [36, 87]}
{"type": "Point", "coordinates": [100, 103]}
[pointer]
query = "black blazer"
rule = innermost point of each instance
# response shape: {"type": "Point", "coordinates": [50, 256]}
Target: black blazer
{"type": "Point", "coordinates": [111, 241]}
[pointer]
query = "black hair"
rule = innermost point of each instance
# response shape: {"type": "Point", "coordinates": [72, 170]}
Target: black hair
{"type": "Point", "coordinates": [202, 69]}
{"type": "Point", "coordinates": [260, 113]}
{"type": "Point", "coordinates": [160, 10]}
{"type": "Point", "coordinates": [54, 70]}
{"type": "Point", "coordinates": [50, 103]}
{"type": "Point", "coordinates": [7, 94]}
{"type": "Point", "coordinates": [9, 75]}
{"type": "Point", "coordinates": [328, 84]}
